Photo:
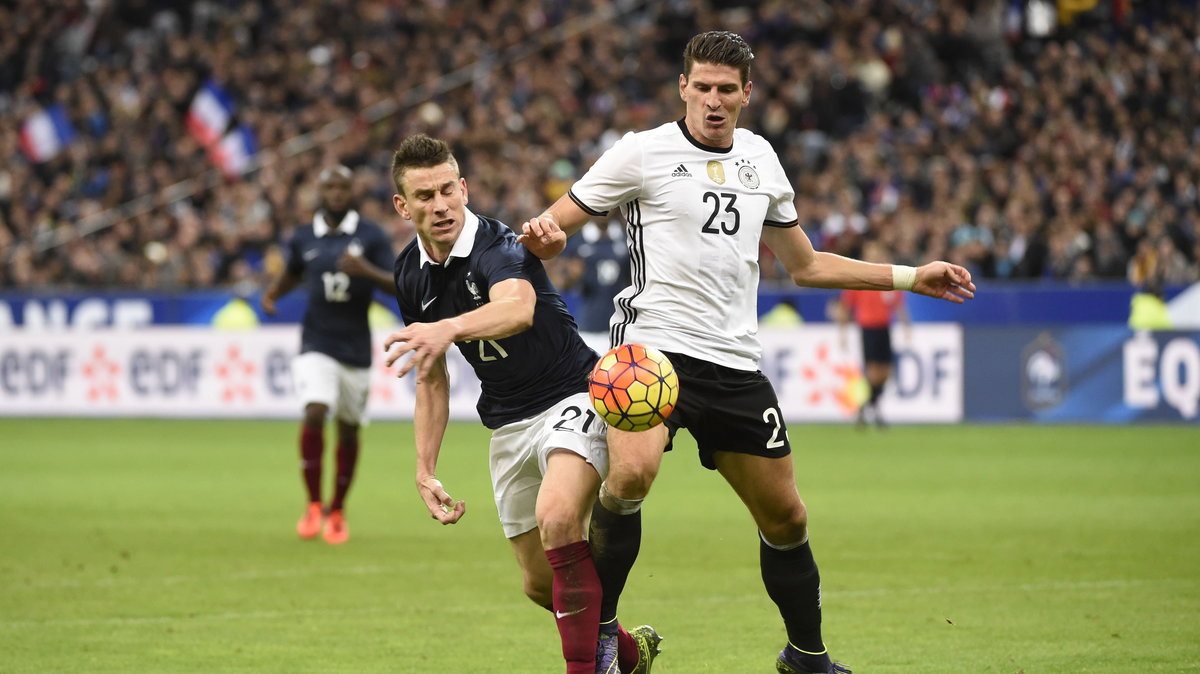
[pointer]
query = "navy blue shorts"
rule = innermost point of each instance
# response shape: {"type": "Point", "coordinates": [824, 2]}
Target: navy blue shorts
{"type": "Point", "coordinates": [877, 345]}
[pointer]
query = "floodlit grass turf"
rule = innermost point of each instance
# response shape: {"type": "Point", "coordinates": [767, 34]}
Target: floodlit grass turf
{"type": "Point", "coordinates": [168, 546]}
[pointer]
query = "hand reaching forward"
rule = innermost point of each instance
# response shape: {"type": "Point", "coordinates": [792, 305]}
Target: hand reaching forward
{"type": "Point", "coordinates": [543, 237]}
{"type": "Point", "coordinates": [426, 341]}
{"type": "Point", "coordinates": [944, 281]}
{"type": "Point", "coordinates": [441, 506]}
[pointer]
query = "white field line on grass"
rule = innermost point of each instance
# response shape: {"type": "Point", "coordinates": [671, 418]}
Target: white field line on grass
{"type": "Point", "coordinates": [475, 609]}
{"type": "Point", "coordinates": [192, 617]}
{"type": "Point", "coordinates": [368, 570]}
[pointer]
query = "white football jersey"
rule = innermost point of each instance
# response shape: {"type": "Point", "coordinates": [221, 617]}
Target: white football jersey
{"type": "Point", "coordinates": [694, 217]}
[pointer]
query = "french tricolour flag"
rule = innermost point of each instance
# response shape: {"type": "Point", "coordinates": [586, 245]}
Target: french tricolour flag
{"type": "Point", "coordinates": [209, 114]}
{"type": "Point", "coordinates": [46, 133]}
{"type": "Point", "coordinates": [234, 152]}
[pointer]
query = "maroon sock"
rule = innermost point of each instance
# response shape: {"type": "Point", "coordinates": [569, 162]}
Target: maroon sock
{"type": "Point", "coordinates": [312, 446]}
{"type": "Point", "coordinates": [347, 458]}
{"type": "Point", "coordinates": [577, 598]}
{"type": "Point", "coordinates": [627, 650]}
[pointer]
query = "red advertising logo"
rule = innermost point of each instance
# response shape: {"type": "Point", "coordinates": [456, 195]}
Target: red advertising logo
{"type": "Point", "coordinates": [101, 373]}
{"type": "Point", "coordinates": [237, 376]}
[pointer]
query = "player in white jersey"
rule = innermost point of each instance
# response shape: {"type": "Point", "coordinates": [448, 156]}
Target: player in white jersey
{"type": "Point", "coordinates": [707, 204]}
{"type": "Point", "coordinates": [698, 196]}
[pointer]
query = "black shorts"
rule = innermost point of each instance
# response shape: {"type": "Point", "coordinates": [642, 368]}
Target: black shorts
{"type": "Point", "coordinates": [877, 345]}
{"type": "Point", "coordinates": [727, 410]}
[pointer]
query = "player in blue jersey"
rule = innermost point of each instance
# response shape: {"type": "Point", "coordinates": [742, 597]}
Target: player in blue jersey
{"type": "Point", "coordinates": [465, 281]}
{"type": "Point", "coordinates": [340, 259]}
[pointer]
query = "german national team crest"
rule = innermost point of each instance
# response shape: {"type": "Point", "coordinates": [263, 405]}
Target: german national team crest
{"type": "Point", "coordinates": [716, 172]}
{"type": "Point", "coordinates": [747, 174]}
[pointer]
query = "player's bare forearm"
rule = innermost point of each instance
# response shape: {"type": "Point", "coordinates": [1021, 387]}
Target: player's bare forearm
{"type": "Point", "coordinates": [940, 280]}
{"type": "Point", "coordinates": [508, 311]}
{"type": "Point", "coordinates": [280, 287]}
{"type": "Point", "coordinates": [813, 269]}
{"type": "Point", "coordinates": [382, 280]}
{"type": "Point", "coordinates": [357, 265]}
{"type": "Point", "coordinates": [817, 269]}
{"type": "Point", "coordinates": [430, 417]}
{"type": "Point", "coordinates": [828, 270]}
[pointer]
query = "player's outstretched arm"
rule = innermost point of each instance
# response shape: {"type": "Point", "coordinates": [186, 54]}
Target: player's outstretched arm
{"type": "Point", "coordinates": [546, 235]}
{"type": "Point", "coordinates": [816, 269]}
{"type": "Point", "coordinates": [430, 417]}
{"type": "Point", "coordinates": [509, 310]}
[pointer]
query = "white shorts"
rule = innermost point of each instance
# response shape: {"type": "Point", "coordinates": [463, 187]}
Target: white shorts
{"type": "Point", "coordinates": [519, 452]}
{"type": "Point", "coordinates": [343, 389]}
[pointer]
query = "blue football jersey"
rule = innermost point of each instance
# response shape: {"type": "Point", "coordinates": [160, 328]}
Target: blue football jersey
{"type": "Point", "coordinates": [521, 375]}
{"type": "Point", "coordinates": [605, 273]}
{"type": "Point", "coordinates": [335, 320]}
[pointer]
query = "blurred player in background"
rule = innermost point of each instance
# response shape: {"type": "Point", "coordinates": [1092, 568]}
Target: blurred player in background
{"type": "Point", "coordinates": [466, 281]}
{"type": "Point", "coordinates": [597, 268]}
{"type": "Point", "coordinates": [340, 259]}
{"type": "Point", "coordinates": [873, 311]}
{"type": "Point", "coordinates": [698, 194]}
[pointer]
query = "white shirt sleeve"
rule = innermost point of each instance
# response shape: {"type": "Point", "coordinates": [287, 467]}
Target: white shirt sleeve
{"type": "Point", "coordinates": [615, 178]}
{"type": "Point", "coordinates": [782, 212]}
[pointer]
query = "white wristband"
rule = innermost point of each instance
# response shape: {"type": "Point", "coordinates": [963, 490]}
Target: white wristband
{"type": "Point", "coordinates": [903, 277]}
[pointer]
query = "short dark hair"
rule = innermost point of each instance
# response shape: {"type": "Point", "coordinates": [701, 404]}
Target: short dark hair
{"type": "Point", "coordinates": [718, 47]}
{"type": "Point", "coordinates": [420, 151]}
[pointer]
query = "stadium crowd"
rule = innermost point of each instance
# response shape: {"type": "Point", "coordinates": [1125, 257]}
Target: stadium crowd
{"type": "Point", "coordinates": [945, 129]}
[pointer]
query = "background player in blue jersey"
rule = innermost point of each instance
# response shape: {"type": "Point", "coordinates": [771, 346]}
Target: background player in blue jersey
{"type": "Point", "coordinates": [340, 259]}
{"type": "Point", "coordinates": [466, 281]}
{"type": "Point", "coordinates": [596, 266]}
{"type": "Point", "coordinates": [699, 196]}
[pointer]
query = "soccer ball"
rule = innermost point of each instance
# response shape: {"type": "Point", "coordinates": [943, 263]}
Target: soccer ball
{"type": "Point", "coordinates": [634, 387]}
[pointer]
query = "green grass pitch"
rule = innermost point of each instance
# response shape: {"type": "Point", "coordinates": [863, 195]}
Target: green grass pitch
{"type": "Point", "coordinates": [168, 546]}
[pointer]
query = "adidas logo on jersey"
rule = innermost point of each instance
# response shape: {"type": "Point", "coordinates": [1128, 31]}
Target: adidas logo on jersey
{"type": "Point", "coordinates": [681, 172]}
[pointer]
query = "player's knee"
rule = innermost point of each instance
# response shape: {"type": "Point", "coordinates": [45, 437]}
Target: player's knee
{"type": "Point", "coordinates": [630, 481]}
{"type": "Point", "coordinates": [539, 593]}
{"type": "Point", "coordinates": [787, 525]}
{"type": "Point", "coordinates": [314, 414]}
{"type": "Point", "coordinates": [558, 530]}
{"type": "Point", "coordinates": [347, 432]}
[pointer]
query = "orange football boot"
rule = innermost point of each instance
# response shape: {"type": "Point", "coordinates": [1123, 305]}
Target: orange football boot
{"type": "Point", "coordinates": [336, 531]}
{"type": "Point", "coordinates": [310, 524]}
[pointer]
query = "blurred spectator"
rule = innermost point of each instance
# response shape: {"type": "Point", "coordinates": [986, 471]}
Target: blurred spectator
{"type": "Point", "coordinates": [1024, 142]}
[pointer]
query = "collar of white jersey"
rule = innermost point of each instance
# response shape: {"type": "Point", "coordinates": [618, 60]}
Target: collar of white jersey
{"type": "Point", "coordinates": [682, 123]}
{"type": "Point", "coordinates": [348, 225]}
{"type": "Point", "coordinates": [463, 246]}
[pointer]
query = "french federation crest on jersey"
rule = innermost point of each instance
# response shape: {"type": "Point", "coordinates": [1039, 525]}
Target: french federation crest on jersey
{"type": "Point", "coordinates": [473, 289]}
{"type": "Point", "coordinates": [716, 172]}
{"type": "Point", "coordinates": [747, 174]}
